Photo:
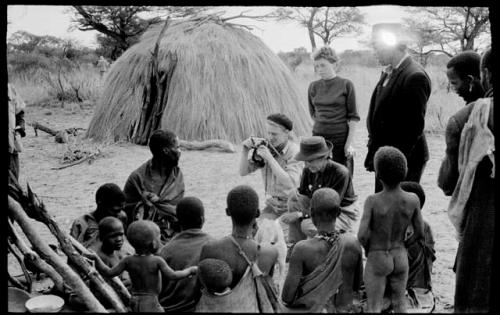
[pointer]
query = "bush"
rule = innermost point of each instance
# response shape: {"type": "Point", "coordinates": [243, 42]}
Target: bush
{"type": "Point", "coordinates": [28, 62]}
{"type": "Point", "coordinates": [294, 58]}
{"type": "Point", "coordinates": [365, 58]}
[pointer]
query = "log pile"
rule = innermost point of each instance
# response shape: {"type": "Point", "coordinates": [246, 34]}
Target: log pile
{"type": "Point", "coordinates": [75, 279]}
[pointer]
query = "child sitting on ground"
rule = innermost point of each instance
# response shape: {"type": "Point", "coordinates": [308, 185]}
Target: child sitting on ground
{"type": "Point", "coordinates": [144, 267]}
{"type": "Point", "coordinates": [110, 247]}
{"type": "Point", "coordinates": [386, 216]}
{"type": "Point", "coordinates": [215, 275]}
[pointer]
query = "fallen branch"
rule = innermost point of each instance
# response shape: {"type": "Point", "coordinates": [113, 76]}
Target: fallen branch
{"type": "Point", "coordinates": [37, 126]}
{"type": "Point", "coordinates": [32, 257]}
{"type": "Point", "coordinates": [222, 145]}
{"type": "Point", "coordinates": [61, 135]}
{"type": "Point", "coordinates": [15, 252]}
{"type": "Point", "coordinates": [87, 158]}
{"type": "Point", "coordinates": [16, 282]}
{"type": "Point", "coordinates": [74, 281]}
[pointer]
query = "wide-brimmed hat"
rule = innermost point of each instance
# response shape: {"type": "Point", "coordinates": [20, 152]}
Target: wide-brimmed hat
{"type": "Point", "coordinates": [313, 147]}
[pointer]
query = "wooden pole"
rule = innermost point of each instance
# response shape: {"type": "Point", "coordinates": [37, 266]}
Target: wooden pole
{"type": "Point", "coordinates": [38, 126]}
{"type": "Point", "coordinates": [115, 282]}
{"type": "Point", "coordinates": [81, 264]}
{"type": "Point", "coordinates": [43, 249]}
{"type": "Point", "coordinates": [35, 260]}
{"type": "Point", "coordinates": [149, 108]}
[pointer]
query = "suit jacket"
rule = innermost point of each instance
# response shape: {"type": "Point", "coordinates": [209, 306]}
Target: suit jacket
{"type": "Point", "coordinates": [396, 116]}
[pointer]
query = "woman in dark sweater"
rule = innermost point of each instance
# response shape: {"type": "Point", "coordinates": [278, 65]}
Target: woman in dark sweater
{"type": "Point", "coordinates": [332, 104]}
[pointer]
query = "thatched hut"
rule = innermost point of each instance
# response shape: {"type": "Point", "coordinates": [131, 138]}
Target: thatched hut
{"type": "Point", "coordinates": [224, 83]}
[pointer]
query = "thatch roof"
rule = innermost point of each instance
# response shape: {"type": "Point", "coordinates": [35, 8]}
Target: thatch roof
{"type": "Point", "coordinates": [226, 81]}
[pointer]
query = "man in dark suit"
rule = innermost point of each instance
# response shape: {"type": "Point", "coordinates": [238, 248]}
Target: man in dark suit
{"type": "Point", "coordinates": [396, 116]}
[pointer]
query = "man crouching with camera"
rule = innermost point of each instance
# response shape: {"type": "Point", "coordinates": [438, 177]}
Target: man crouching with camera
{"type": "Point", "coordinates": [275, 157]}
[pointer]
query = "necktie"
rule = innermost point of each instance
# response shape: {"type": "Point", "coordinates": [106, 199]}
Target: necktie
{"type": "Point", "coordinates": [388, 71]}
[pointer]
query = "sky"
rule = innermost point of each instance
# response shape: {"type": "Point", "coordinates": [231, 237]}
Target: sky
{"type": "Point", "coordinates": [55, 21]}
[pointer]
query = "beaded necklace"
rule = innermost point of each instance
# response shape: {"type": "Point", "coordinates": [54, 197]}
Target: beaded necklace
{"type": "Point", "coordinates": [247, 237]}
{"type": "Point", "coordinates": [329, 237]}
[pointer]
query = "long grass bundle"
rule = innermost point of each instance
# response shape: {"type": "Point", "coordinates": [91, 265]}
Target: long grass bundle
{"type": "Point", "coordinates": [225, 83]}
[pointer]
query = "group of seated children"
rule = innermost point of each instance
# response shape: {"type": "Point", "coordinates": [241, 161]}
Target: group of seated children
{"type": "Point", "coordinates": [317, 278]}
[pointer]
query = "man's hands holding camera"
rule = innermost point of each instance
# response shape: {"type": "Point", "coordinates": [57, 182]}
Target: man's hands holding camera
{"type": "Point", "coordinates": [258, 150]}
{"type": "Point", "coordinates": [253, 142]}
{"type": "Point", "coordinates": [263, 152]}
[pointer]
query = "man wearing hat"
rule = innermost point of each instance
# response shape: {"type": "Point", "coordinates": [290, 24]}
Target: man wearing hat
{"type": "Point", "coordinates": [280, 170]}
{"type": "Point", "coordinates": [396, 116]}
{"type": "Point", "coordinates": [319, 172]}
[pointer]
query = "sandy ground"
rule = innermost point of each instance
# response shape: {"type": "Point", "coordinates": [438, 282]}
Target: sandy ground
{"type": "Point", "coordinates": [70, 192]}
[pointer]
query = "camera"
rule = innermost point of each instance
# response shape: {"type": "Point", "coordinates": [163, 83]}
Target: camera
{"type": "Point", "coordinates": [254, 156]}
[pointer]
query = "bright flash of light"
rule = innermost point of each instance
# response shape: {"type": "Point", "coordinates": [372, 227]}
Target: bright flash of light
{"type": "Point", "coordinates": [387, 38]}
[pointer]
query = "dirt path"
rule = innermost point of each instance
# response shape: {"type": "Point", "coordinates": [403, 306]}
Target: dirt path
{"type": "Point", "coordinates": [69, 193]}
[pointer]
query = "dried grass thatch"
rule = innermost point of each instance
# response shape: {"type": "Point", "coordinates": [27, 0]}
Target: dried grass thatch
{"type": "Point", "coordinates": [225, 82]}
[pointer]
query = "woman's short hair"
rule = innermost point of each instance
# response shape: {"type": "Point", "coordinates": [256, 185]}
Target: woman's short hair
{"type": "Point", "coordinates": [326, 53]}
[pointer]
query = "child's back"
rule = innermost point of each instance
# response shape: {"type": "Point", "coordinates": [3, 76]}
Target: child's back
{"type": "Point", "coordinates": [382, 230]}
{"type": "Point", "coordinates": [392, 212]}
{"type": "Point", "coordinates": [145, 273]}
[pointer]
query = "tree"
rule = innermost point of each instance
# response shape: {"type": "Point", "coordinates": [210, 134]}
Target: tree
{"type": "Point", "coordinates": [121, 26]}
{"type": "Point", "coordinates": [426, 41]}
{"type": "Point", "coordinates": [449, 29]}
{"type": "Point", "coordinates": [325, 22]}
{"type": "Point", "coordinates": [23, 41]}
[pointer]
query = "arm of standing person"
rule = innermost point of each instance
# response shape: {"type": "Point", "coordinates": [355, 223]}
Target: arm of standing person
{"type": "Point", "coordinates": [417, 220]}
{"type": "Point", "coordinates": [364, 225]}
{"type": "Point", "coordinates": [312, 110]}
{"type": "Point", "coordinates": [349, 147]}
{"type": "Point", "coordinates": [103, 268]}
{"type": "Point", "coordinates": [169, 273]}
{"type": "Point", "coordinates": [448, 172]}
{"type": "Point", "coordinates": [294, 274]}
{"type": "Point", "coordinates": [352, 118]}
